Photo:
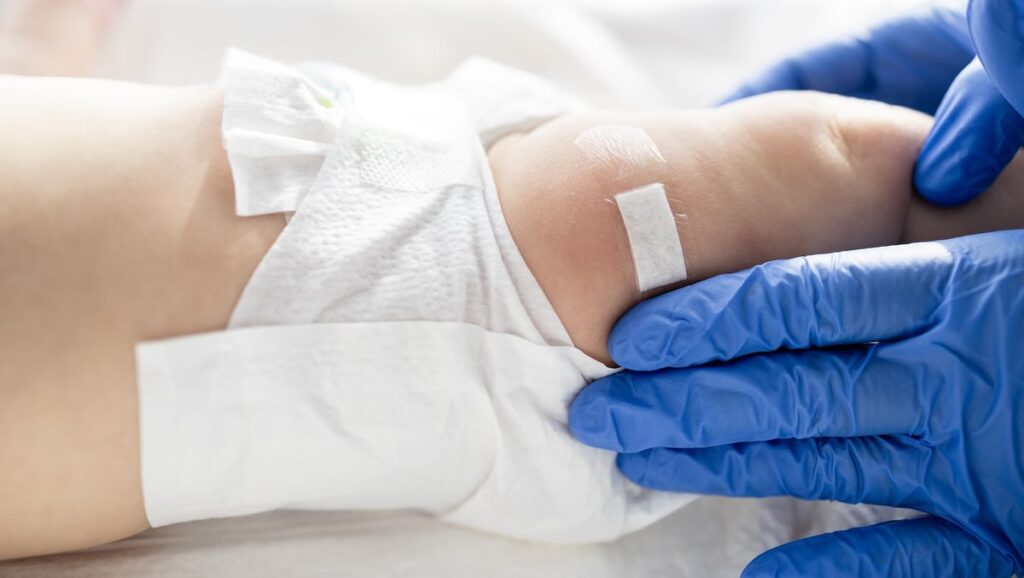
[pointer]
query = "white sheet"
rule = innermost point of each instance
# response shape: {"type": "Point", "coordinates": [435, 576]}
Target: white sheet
{"type": "Point", "coordinates": [396, 544]}
{"type": "Point", "coordinates": [639, 53]}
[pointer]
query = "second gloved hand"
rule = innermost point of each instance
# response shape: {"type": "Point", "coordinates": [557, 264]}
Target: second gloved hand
{"type": "Point", "coordinates": [967, 71]}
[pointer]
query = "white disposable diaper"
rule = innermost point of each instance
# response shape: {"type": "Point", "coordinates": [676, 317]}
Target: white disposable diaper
{"type": "Point", "coordinates": [393, 349]}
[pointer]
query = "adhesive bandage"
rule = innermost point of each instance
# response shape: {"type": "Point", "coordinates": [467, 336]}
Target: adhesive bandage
{"type": "Point", "coordinates": [650, 225]}
{"type": "Point", "coordinates": [653, 239]}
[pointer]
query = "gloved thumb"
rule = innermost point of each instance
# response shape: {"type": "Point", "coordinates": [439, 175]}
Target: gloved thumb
{"type": "Point", "coordinates": [921, 548]}
{"type": "Point", "coordinates": [976, 134]}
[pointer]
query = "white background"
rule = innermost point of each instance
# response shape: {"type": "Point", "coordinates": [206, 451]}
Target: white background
{"type": "Point", "coordinates": [624, 52]}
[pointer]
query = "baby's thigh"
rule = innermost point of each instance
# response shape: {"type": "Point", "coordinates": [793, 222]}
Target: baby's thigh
{"type": "Point", "coordinates": [116, 226]}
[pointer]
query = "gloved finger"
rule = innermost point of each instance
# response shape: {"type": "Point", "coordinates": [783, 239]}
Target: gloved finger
{"type": "Point", "coordinates": [823, 300]}
{"type": "Point", "coordinates": [840, 67]}
{"type": "Point", "coordinates": [975, 135]}
{"type": "Point", "coordinates": [854, 391]}
{"type": "Point", "coordinates": [874, 470]}
{"type": "Point", "coordinates": [919, 548]}
{"type": "Point", "coordinates": [997, 27]}
{"type": "Point", "coordinates": [909, 61]}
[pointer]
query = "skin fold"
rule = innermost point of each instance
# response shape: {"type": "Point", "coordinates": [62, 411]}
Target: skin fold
{"type": "Point", "coordinates": [117, 226]}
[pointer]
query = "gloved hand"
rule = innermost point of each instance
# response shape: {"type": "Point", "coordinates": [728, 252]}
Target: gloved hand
{"type": "Point", "coordinates": [913, 62]}
{"type": "Point", "coordinates": [889, 376]}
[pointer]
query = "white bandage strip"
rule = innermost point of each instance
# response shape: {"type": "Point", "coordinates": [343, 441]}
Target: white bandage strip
{"type": "Point", "coordinates": [653, 238]}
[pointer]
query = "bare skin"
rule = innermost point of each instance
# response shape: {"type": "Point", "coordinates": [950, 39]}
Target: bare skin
{"type": "Point", "coordinates": [117, 226]}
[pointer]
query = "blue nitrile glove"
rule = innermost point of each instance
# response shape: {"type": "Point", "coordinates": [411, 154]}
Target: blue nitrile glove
{"type": "Point", "coordinates": [927, 61]}
{"type": "Point", "coordinates": [889, 376]}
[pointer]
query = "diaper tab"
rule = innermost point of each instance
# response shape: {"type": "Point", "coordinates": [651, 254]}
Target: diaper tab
{"type": "Point", "coordinates": [308, 417]}
{"type": "Point", "coordinates": [277, 128]}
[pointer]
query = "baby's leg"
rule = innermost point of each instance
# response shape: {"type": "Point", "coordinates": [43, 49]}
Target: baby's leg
{"type": "Point", "coordinates": [117, 225]}
{"type": "Point", "coordinates": [782, 175]}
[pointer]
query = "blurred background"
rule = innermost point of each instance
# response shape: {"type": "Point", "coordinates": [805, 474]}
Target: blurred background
{"type": "Point", "coordinates": [646, 53]}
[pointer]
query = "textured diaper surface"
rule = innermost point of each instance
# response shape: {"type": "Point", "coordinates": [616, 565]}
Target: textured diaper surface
{"type": "Point", "coordinates": [392, 350]}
